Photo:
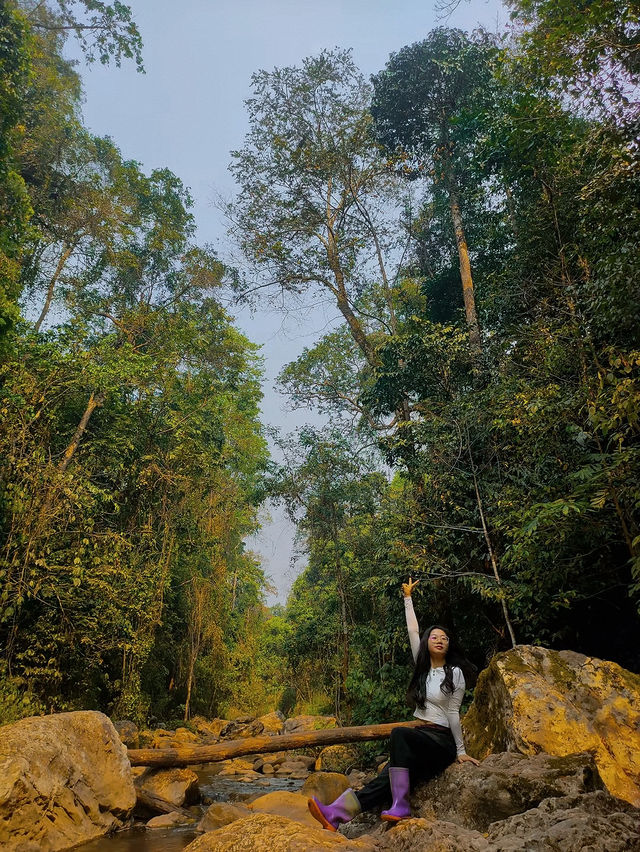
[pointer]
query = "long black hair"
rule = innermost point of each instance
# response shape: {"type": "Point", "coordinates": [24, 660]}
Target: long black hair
{"type": "Point", "coordinates": [417, 692]}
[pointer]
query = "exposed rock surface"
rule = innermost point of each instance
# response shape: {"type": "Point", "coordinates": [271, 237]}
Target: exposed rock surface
{"type": "Point", "coordinates": [272, 723]}
{"type": "Point", "coordinates": [128, 733]}
{"type": "Point", "coordinates": [284, 803]}
{"type": "Point", "coordinates": [596, 821]}
{"type": "Point", "coordinates": [424, 835]}
{"type": "Point", "coordinates": [246, 726]}
{"type": "Point", "coordinates": [168, 820]}
{"type": "Point", "coordinates": [64, 779]}
{"type": "Point", "coordinates": [503, 785]}
{"type": "Point", "coordinates": [222, 813]}
{"type": "Point", "coordinates": [531, 699]}
{"type": "Point", "coordinates": [298, 724]}
{"type": "Point", "coordinates": [325, 786]}
{"type": "Point", "coordinates": [176, 786]}
{"type": "Point", "coordinates": [209, 729]}
{"type": "Point", "coordinates": [275, 834]}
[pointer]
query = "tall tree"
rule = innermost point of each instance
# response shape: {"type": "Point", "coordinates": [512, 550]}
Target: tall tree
{"type": "Point", "coordinates": [425, 104]}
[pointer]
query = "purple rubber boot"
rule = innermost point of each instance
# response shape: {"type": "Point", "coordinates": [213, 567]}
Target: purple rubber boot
{"type": "Point", "coordinates": [343, 809]}
{"type": "Point", "coordinates": [400, 808]}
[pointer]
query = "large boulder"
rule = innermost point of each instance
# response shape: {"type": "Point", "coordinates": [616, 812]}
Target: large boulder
{"type": "Point", "coordinates": [503, 785]}
{"type": "Point", "coordinates": [176, 786]}
{"type": "Point", "coordinates": [209, 728]}
{"type": "Point", "coordinates": [424, 835]}
{"type": "Point", "coordinates": [325, 786]}
{"type": "Point", "coordinates": [272, 723]}
{"type": "Point", "coordinates": [276, 834]}
{"type": "Point", "coordinates": [533, 700]}
{"type": "Point", "coordinates": [595, 821]}
{"type": "Point", "coordinates": [287, 804]}
{"type": "Point", "coordinates": [245, 726]}
{"type": "Point", "coordinates": [64, 779]}
{"type": "Point", "coordinates": [128, 733]}
{"type": "Point", "coordinates": [222, 813]}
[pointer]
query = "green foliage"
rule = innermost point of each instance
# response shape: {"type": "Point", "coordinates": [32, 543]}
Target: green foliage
{"type": "Point", "coordinates": [516, 474]}
{"type": "Point", "coordinates": [130, 448]}
{"type": "Point", "coordinates": [105, 31]}
{"type": "Point", "coordinates": [16, 702]}
{"type": "Point", "coordinates": [15, 208]}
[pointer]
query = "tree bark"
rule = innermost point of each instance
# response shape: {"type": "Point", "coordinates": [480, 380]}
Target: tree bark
{"type": "Point", "coordinates": [64, 257]}
{"type": "Point", "coordinates": [95, 400]}
{"type": "Point", "coordinates": [188, 755]}
{"type": "Point", "coordinates": [465, 271]}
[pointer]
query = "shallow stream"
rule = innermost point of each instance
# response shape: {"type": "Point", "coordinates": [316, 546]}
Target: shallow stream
{"type": "Point", "coordinates": [213, 788]}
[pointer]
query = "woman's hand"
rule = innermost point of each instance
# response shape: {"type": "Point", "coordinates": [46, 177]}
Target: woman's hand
{"type": "Point", "coordinates": [466, 758]}
{"type": "Point", "coordinates": [407, 588]}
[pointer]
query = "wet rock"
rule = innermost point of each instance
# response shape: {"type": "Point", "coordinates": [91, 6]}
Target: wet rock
{"type": "Point", "coordinates": [176, 786]}
{"type": "Point", "coordinates": [64, 779]}
{"type": "Point", "coordinates": [503, 785]}
{"type": "Point", "coordinates": [171, 820]}
{"type": "Point", "coordinates": [298, 724]}
{"type": "Point", "coordinates": [290, 767]}
{"type": "Point", "coordinates": [222, 813]}
{"type": "Point", "coordinates": [596, 821]}
{"type": "Point", "coordinates": [250, 777]}
{"type": "Point", "coordinates": [276, 834]}
{"type": "Point", "coordinates": [299, 774]}
{"type": "Point", "coordinates": [532, 699]}
{"type": "Point", "coordinates": [237, 766]}
{"type": "Point", "coordinates": [128, 733]}
{"type": "Point", "coordinates": [325, 786]}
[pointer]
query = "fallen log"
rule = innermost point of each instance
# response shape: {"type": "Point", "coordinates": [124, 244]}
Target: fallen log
{"type": "Point", "coordinates": [188, 755]}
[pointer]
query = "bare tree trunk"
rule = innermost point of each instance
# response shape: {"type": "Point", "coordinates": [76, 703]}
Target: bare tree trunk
{"type": "Point", "coordinates": [465, 271]}
{"type": "Point", "coordinates": [64, 257]}
{"type": "Point", "coordinates": [95, 401]}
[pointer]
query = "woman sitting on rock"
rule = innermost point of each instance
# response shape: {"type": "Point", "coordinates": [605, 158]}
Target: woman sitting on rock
{"type": "Point", "coordinates": [417, 754]}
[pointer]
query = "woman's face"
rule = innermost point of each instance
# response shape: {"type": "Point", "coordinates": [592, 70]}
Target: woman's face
{"type": "Point", "coordinates": [438, 642]}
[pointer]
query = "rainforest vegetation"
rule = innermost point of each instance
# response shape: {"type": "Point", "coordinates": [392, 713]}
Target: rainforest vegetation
{"type": "Point", "coordinates": [471, 211]}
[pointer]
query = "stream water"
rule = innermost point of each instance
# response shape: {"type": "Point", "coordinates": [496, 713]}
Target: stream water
{"type": "Point", "coordinates": [213, 789]}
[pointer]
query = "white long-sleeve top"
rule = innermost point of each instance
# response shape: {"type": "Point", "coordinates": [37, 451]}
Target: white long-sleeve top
{"type": "Point", "coordinates": [440, 707]}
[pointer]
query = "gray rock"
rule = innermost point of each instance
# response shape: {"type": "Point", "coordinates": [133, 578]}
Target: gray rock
{"type": "Point", "coordinates": [503, 785]}
{"type": "Point", "coordinates": [423, 835]}
{"type": "Point", "coordinates": [128, 733]}
{"type": "Point", "coordinates": [241, 728]}
{"type": "Point", "coordinates": [596, 822]}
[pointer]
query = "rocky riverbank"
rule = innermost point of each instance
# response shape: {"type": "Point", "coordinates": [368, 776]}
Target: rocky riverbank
{"type": "Point", "coordinates": [558, 734]}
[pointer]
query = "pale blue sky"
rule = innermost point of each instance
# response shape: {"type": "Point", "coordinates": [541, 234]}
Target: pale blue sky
{"type": "Point", "coordinates": [187, 113]}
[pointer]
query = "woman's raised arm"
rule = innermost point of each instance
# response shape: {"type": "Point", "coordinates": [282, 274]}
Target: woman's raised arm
{"type": "Point", "coordinates": [412, 622]}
